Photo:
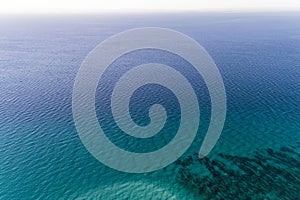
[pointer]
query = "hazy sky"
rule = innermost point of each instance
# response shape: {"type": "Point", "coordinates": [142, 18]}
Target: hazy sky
{"type": "Point", "coordinates": [69, 6]}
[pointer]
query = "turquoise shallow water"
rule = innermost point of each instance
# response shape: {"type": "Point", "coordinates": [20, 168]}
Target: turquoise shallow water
{"type": "Point", "coordinates": [257, 156]}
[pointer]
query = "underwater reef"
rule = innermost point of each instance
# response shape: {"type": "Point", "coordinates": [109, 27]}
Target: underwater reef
{"type": "Point", "coordinates": [266, 174]}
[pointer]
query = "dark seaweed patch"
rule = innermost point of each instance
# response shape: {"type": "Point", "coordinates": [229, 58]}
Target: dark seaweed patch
{"type": "Point", "coordinates": [267, 174]}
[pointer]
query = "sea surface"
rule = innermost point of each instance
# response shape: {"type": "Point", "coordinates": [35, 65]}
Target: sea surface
{"type": "Point", "coordinates": [256, 157]}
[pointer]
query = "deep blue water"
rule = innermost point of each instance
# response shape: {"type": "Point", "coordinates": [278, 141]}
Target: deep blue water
{"type": "Point", "coordinates": [257, 156]}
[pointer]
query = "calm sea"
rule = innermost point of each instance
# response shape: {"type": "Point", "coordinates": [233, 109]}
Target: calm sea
{"type": "Point", "coordinates": [257, 156]}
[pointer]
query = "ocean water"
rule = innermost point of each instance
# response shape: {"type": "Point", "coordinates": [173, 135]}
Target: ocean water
{"type": "Point", "coordinates": [256, 157]}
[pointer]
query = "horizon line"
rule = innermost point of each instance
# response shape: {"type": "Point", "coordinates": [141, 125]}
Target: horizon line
{"type": "Point", "coordinates": [150, 11]}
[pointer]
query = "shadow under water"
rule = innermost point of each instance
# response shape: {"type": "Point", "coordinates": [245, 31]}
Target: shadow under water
{"type": "Point", "coordinates": [268, 174]}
